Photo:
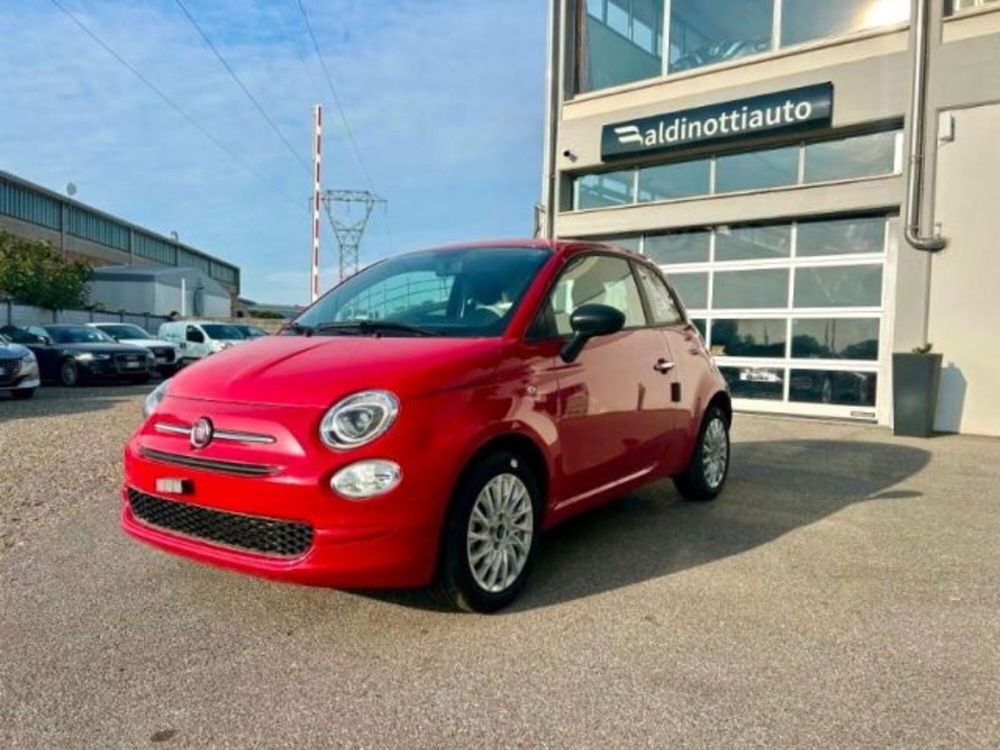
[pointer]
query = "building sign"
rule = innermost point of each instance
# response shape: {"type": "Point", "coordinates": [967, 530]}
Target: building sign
{"type": "Point", "coordinates": [782, 111]}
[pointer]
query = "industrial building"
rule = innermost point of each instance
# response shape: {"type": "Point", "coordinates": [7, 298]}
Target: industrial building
{"type": "Point", "coordinates": [819, 180]}
{"type": "Point", "coordinates": [80, 231]}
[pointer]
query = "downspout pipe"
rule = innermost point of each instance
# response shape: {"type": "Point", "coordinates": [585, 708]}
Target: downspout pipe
{"type": "Point", "coordinates": [552, 80]}
{"type": "Point", "coordinates": [918, 103]}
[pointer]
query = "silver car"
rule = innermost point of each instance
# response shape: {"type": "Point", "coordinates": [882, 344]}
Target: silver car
{"type": "Point", "coordinates": [18, 370]}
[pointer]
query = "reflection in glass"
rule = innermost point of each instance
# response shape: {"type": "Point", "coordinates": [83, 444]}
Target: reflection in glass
{"type": "Point", "coordinates": [748, 338]}
{"type": "Point", "coordinates": [848, 158]}
{"type": "Point", "coordinates": [833, 387]}
{"type": "Point", "coordinates": [620, 42]}
{"type": "Point", "coordinates": [766, 383]}
{"type": "Point", "coordinates": [839, 286]}
{"type": "Point", "coordinates": [864, 234]}
{"type": "Point", "coordinates": [753, 242]}
{"type": "Point", "coordinates": [692, 288]}
{"type": "Point", "coordinates": [703, 32]}
{"type": "Point", "coordinates": [679, 247]}
{"type": "Point", "coordinates": [756, 170]}
{"type": "Point", "coordinates": [805, 20]}
{"type": "Point", "coordinates": [670, 181]}
{"type": "Point", "coordinates": [750, 289]}
{"type": "Point", "coordinates": [605, 189]}
{"type": "Point", "coordinates": [835, 338]}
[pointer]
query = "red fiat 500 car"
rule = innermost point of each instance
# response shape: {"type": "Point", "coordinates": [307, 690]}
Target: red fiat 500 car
{"type": "Point", "coordinates": [426, 419]}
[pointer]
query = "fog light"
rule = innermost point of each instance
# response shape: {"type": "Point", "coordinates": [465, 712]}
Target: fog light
{"type": "Point", "coordinates": [366, 479]}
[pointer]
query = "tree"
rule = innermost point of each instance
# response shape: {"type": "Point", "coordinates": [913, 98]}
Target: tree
{"type": "Point", "coordinates": [34, 273]}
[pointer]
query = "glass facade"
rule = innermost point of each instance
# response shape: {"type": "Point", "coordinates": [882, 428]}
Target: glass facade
{"type": "Point", "coordinates": [846, 158]}
{"type": "Point", "coordinates": [792, 311]}
{"type": "Point", "coordinates": [621, 41]}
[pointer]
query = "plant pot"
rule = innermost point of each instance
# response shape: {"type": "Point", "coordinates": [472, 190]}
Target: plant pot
{"type": "Point", "coordinates": [915, 380]}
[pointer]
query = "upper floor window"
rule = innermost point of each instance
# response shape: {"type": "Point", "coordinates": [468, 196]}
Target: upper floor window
{"type": "Point", "coordinates": [621, 41]}
{"type": "Point", "coordinates": [954, 6]}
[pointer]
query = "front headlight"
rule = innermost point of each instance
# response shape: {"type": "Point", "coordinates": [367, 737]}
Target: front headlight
{"type": "Point", "coordinates": [154, 399]}
{"type": "Point", "coordinates": [90, 357]}
{"type": "Point", "coordinates": [358, 419]}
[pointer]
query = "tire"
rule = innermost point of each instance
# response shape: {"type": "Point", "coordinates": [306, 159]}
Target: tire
{"type": "Point", "coordinates": [140, 380]}
{"type": "Point", "coordinates": [480, 546]}
{"type": "Point", "coordinates": [69, 373]}
{"type": "Point", "coordinates": [702, 479]}
{"type": "Point", "coordinates": [23, 394]}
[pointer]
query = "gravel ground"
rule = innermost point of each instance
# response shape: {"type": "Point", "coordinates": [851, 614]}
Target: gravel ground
{"type": "Point", "coordinates": [842, 593]}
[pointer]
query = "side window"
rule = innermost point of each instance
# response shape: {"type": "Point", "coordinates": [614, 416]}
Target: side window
{"type": "Point", "coordinates": [598, 279]}
{"type": "Point", "coordinates": [661, 302]}
{"type": "Point", "coordinates": [194, 335]}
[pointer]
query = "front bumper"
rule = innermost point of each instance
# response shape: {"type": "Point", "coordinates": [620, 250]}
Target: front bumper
{"type": "Point", "coordinates": [390, 541]}
{"type": "Point", "coordinates": [111, 370]}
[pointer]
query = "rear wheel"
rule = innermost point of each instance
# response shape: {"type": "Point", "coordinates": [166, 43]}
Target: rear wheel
{"type": "Point", "coordinates": [491, 535]}
{"type": "Point", "coordinates": [69, 373]}
{"type": "Point", "coordinates": [22, 394]}
{"type": "Point", "coordinates": [708, 468]}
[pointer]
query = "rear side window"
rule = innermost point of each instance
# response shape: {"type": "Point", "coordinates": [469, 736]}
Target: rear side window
{"type": "Point", "coordinates": [600, 279]}
{"type": "Point", "coordinates": [661, 303]}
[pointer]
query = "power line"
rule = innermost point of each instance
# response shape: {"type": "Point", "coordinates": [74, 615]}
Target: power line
{"type": "Point", "coordinates": [176, 107]}
{"type": "Point", "coordinates": [249, 95]}
{"type": "Point", "coordinates": [336, 97]}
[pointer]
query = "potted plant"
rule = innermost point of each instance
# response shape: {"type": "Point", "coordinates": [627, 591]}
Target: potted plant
{"type": "Point", "coordinates": [915, 379]}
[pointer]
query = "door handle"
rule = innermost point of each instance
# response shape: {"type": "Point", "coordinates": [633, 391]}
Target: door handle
{"type": "Point", "coordinates": [663, 366]}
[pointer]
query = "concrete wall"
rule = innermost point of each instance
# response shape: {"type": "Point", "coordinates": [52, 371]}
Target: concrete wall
{"type": "Point", "coordinates": [964, 301]}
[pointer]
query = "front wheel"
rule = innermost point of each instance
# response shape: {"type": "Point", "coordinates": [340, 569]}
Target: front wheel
{"type": "Point", "coordinates": [491, 535]}
{"type": "Point", "coordinates": [706, 472]}
{"type": "Point", "coordinates": [69, 373]}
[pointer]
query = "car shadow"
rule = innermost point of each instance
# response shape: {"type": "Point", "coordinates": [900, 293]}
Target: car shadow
{"type": "Point", "coordinates": [775, 487]}
{"type": "Point", "coordinates": [50, 401]}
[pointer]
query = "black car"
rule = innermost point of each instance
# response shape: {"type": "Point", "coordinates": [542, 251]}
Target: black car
{"type": "Point", "coordinates": [71, 354]}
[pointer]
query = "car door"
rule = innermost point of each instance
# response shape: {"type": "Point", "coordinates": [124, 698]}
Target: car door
{"type": "Point", "coordinates": [613, 404]}
{"type": "Point", "coordinates": [689, 359]}
{"type": "Point", "coordinates": [197, 346]}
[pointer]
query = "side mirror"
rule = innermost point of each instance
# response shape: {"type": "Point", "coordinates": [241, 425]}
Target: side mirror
{"type": "Point", "coordinates": [588, 321]}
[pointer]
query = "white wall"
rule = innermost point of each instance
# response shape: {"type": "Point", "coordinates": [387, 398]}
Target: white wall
{"type": "Point", "coordinates": [965, 286]}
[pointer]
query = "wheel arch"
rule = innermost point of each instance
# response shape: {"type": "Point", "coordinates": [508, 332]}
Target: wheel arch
{"type": "Point", "coordinates": [722, 400]}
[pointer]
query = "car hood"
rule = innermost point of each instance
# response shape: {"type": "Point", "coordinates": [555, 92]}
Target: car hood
{"type": "Point", "coordinates": [147, 342]}
{"type": "Point", "coordinates": [12, 351]}
{"type": "Point", "coordinates": [318, 370]}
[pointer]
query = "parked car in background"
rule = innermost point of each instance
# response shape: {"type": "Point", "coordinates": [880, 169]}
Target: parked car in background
{"type": "Point", "coordinates": [166, 353]}
{"type": "Point", "coordinates": [426, 419]}
{"type": "Point", "coordinates": [250, 332]}
{"type": "Point", "coordinates": [18, 369]}
{"type": "Point", "coordinates": [70, 355]}
{"type": "Point", "coordinates": [198, 339]}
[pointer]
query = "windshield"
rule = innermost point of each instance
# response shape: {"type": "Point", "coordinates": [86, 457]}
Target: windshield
{"type": "Point", "coordinates": [222, 331]}
{"type": "Point", "coordinates": [77, 335]}
{"type": "Point", "coordinates": [125, 332]}
{"type": "Point", "coordinates": [449, 292]}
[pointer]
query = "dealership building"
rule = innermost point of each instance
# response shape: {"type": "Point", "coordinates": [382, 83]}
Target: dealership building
{"type": "Point", "coordinates": [820, 181]}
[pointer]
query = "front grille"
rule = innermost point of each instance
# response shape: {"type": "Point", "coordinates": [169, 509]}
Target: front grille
{"type": "Point", "coordinates": [164, 353]}
{"type": "Point", "coordinates": [210, 464]}
{"type": "Point", "coordinates": [263, 536]}
{"type": "Point", "coordinates": [10, 368]}
{"type": "Point", "coordinates": [121, 359]}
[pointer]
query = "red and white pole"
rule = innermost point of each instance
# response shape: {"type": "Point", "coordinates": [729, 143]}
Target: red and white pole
{"type": "Point", "coordinates": [317, 159]}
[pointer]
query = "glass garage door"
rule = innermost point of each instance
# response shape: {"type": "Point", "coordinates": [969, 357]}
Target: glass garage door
{"type": "Point", "coordinates": [793, 312]}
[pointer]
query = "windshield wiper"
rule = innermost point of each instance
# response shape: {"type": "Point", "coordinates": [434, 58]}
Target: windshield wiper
{"type": "Point", "coordinates": [366, 327]}
{"type": "Point", "coordinates": [300, 328]}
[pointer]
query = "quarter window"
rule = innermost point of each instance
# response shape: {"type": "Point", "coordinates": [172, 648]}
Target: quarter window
{"type": "Point", "coordinates": [661, 302]}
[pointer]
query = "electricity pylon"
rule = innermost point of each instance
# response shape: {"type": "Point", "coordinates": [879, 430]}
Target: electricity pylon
{"type": "Point", "coordinates": [349, 212]}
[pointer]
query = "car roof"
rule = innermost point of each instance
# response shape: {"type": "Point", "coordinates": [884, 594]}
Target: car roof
{"type": "Point", "coordinates": [560, 246]}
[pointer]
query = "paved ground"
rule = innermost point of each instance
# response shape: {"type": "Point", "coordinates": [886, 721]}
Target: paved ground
{"type": "Point", "coordinates": [844, 592]}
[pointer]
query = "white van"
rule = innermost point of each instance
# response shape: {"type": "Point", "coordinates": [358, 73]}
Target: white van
{"type": "Point", "coordinates": [198, 339]}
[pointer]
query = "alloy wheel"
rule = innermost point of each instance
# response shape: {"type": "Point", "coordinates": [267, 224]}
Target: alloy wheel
{"type": "Point", "coordinates": [715, 453]}
{"type": "Point", "coordinates": [498, 538]}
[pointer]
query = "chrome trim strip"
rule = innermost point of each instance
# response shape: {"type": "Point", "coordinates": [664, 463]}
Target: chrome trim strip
{"type": "Point", "coordinates": [210, 464]}
{"type": "Point", "coordinates": [230, 436]}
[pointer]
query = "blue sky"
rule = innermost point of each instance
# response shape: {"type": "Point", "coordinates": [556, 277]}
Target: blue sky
{"type": "Point", "coordinates": [445, 99]}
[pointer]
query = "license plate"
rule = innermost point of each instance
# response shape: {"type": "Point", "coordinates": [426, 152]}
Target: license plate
{"type": "Point", "coordinates": [162, 360]}
{"type": "Point", "coordinates": [132, 365]}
